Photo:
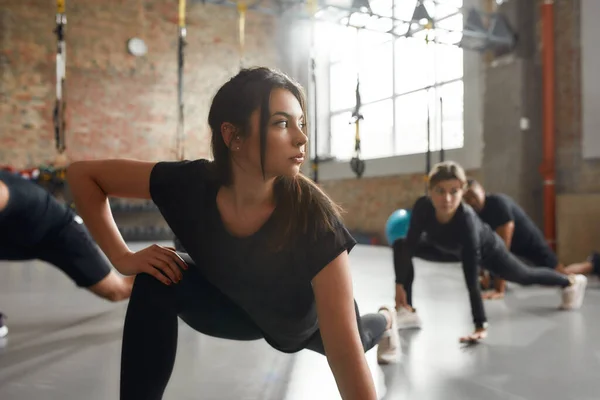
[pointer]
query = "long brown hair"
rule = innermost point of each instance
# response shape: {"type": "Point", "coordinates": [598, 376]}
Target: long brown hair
{"type": "Point", "coordinates": [301, 206]}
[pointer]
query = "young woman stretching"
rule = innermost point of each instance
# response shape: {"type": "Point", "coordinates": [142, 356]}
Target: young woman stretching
{"type": "Point", "coordinates": [268, 253]}
{"type": "Point", "coordinates": [449, 223]}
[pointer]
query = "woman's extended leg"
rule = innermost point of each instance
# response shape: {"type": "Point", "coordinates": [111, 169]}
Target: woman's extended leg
{"type": "Point", "coordinates": [373, 329]}
{"type": "Point", "coordinates": [509, 267]}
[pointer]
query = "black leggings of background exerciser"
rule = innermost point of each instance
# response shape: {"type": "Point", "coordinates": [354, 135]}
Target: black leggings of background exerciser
{"type": "Point", "coordinates": [503, 264]}
{"type": "Point", "coordinates": [150, 332]}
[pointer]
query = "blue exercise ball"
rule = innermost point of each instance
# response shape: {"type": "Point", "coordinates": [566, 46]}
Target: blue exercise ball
{"type": "Point", "coordinates": [396, 226]}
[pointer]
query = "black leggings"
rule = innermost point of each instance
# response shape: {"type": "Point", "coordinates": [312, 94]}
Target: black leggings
{"type": "Point", "coordinates": [150, 332]}
{"type": "Point", "coordinates": [506, 265]}
{"type": "Point", "coordinates": [503, 264]}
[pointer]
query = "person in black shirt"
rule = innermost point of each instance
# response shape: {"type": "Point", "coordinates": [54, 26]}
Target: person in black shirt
{"type": "Point", "coordinates": [267, 252]}
{"type": "Point", "coordinates": [34, 225]}
{"type": "Point", "coordinates": [450, 223]}
{"type": "Point", "coordinates": [519, 233]}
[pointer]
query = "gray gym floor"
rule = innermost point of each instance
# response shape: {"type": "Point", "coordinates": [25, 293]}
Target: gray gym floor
{"type": "Point", "coordinates": [64, 343]}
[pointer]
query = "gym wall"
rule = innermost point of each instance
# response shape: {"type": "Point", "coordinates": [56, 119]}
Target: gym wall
{"type": "Point", "coordinates": [511, 156]}
{"type": "Point", "coordinates": [117, 105]}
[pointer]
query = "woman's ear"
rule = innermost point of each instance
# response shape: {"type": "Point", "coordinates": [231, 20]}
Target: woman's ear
{"type": "Point", "coordinates": [231, 136]}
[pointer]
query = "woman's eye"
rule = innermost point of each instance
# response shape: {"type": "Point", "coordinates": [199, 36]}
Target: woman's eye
{"type": "Point", "coordinates": [282, 124]}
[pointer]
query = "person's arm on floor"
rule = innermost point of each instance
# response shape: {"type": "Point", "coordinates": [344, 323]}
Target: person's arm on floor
{"type": "Point", "coordinates": [91, 183]}
{"type": "Point", "coordinates": [470, 262]}
{"type": "Point", "coordinates": [403, 261]}
{"type": "Point", "coordinates": [339, 330]}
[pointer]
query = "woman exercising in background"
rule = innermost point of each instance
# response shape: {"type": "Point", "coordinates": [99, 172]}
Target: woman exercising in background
{"type": "Point", "coordinates": [520, 234]}
{"type": "Point", "coordinates": [451, 224]}
{"type": "Point", "coordinates": [34, 225]}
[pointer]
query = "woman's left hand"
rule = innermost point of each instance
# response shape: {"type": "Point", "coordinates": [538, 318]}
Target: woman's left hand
{"type": "Point", "coordinates": [475, 337]}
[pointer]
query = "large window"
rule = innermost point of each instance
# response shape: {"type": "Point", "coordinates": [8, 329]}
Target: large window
{"type": "Point", "coordinates": [411, 87]}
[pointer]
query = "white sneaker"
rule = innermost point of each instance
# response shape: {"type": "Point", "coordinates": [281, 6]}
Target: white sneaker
{"type": "Point", "coordinates": [572, 296]}
{"type": "Point", "coordinates": [388, 351]}
{"type": "Point", "coordinates": [408, 319]}
{"type": "Point", "coordinates": [3, 327]}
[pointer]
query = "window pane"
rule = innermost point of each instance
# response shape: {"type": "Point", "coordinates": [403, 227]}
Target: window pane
{"type": "Point", "coordinates": [342, 85]}
{"type": "Point", "coordinates": [449, 62]}
{"type": "Point", "coordinates": [453, 114]}
{"type": "Point", "coordinates": [376, 72]}
{"type": "Point", "coordinates": [342, 41]}
{"type": "Point", "coordinates": [404, 9]}
{"type": "Point", "coordinates": [451, 3]}
{"type": "Point", "coordinates": [414, 65]}
{"type": "Point", "coordinates": [382, 7]}
{"type": "Point", "coordinates": [444, 9]}
{"type": "Point", "coordinates": [342, 136]}
{"type": "Point", "coordinates": [411, 123]}
{"type": "Point", "coordinates": [367, 39]}
{"type": "Point", "coordinates": [453, 23]}
{"type": "Point", "coordinates": [377, 129]}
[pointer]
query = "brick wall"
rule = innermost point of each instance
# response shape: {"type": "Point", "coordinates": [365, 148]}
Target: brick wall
{"type": "Point", "coordinates": [117, 105]}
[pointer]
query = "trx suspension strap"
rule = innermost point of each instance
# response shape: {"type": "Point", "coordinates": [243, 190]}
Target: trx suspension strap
{"type": "Point", "coordinates": [180, 141]}
{"type": "Point", "coordinates": [242, 8]}
{"type": "Point", "coordinates": [428, 153]}
{"type": "Point", "coordinates": [61, 59]}
{"type": "Point", "coordinates": [356, 164]}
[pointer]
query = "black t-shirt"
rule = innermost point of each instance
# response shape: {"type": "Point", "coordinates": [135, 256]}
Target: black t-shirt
{"type": "Point", "coordinates": [31, 214]}
{"type": "Point", "coordinates": [464, 233]}
{"type": "Point", "coordinates": [273, 287]}
{"type": "Point", "coordinates": [500, 209]}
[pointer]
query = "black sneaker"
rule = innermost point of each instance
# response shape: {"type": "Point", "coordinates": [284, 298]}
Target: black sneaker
{"type": "Point", "coordinates": [3, 327]}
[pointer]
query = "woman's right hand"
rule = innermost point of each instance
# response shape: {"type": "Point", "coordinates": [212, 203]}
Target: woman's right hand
{"type": "Point", "coordinates": [479, 334]}
{"type": "Point", "coordinates": [163, 263]}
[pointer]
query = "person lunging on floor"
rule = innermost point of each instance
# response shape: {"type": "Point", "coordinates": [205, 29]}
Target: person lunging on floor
{"type": "Point", "coordinates": [450, 223]}
{"type": "Point", "coordinates": [35, 225]}
{"type": "Point", "coordinates": [267, 249]}
{"type": "Point", "coordinates": [520, 234]}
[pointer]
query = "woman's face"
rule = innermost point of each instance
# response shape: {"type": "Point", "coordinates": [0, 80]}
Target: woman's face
{"type": "Point", "coordinates": [446, 196]}
{"type": "Point", "coordinates": [286, 140]}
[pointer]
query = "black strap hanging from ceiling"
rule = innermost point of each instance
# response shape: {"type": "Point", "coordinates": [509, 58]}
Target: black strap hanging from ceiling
{"type": "Point", "coordinates": [61, 60]}
{"type": "Point", "coordinates": [356, 164]}
{"type": "Point", "coordinates": [180, 138]}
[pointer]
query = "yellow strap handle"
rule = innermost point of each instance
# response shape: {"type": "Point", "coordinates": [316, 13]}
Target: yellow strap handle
{"type": "Point", "coordinates": [60, 6]}
{"type": "Point", "coordinates": [312, 6]}
{"type": "Point", "coordinates": [182, 13]}
{"type": "Point", "coordinates": [242, 8]}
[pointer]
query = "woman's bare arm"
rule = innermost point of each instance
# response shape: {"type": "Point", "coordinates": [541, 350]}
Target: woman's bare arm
{"type": "Point", "coordinates": [92, 182]}
{"type": "Point", "coordinates": [339, 331]}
